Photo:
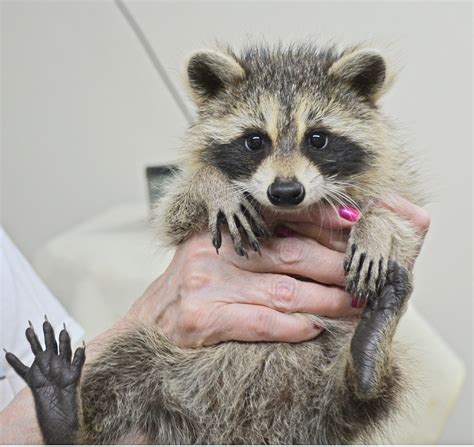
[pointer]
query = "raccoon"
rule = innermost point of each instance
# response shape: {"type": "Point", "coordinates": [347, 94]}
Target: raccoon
{"type": "Point", "coordinates": [282, 129]}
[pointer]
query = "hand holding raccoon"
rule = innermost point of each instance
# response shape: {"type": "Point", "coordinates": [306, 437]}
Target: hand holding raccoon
{"type": "Point", "coordinates": [214, 299]}
{"type": "Point", "coordinates": [203, 299]}
{"type": "Point", "coordinates": [284, 129]}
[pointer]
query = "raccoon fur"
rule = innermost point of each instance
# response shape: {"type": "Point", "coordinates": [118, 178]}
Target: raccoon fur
{"type": "Point", "coordinates": [286, 129]}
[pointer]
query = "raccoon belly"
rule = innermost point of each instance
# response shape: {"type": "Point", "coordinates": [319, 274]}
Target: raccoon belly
{"type": "Point", "coordinates": [253, 393]}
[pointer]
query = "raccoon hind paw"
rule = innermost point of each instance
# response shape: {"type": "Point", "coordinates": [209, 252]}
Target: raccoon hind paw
{"type": "Point", "coordinates": [53, 378]}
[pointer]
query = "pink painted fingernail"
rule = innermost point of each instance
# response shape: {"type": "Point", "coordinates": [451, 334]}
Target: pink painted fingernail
{"type": "Point", "coordinates": [317, 326]}
{"type": "Point", "coordinates": [354, 302]}
{"type": "Point", "coordinates": [349, 213]}
{"type": "Point", "coordinates": [283, 231]}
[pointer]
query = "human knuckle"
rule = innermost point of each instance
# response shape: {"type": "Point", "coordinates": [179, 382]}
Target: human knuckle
{"type": "Point", "coordinates": [191, 316]}
{"type": "Point", "coordinates": [194, 279]}
{"type": "Point", "coordinates": [199, 248]}
{"type": "Point", "coordinates": [283, 291]}
{"type": "Point", "coordinates": [290, 251]}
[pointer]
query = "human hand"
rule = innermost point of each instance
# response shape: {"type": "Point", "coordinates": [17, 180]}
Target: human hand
{"type": "Point", "coordinates": [203, 299]}
{"type": "Point", "coordinates": [327, 227]}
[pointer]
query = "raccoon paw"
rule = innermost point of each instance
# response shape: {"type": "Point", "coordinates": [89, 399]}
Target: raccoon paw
{"type": "Point", "coordinates": [365, 271]}
{"type": "Point", "coordinates": [53, 379]}
{"type": "Point", "coordinates": [244, 222]}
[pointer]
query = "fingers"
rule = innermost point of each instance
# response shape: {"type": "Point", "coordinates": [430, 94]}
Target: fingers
{"type": "Point", "coordinates": [333, 239]}
{"type": "Point", "coordinates": [65, 345]}
{"type": "Point", "coordinates": [245, 322]}
{"type": "Point", "coordinates": [33, 340]}
{"type": "Point", "coordinates": [49, 339]}
{"type": "Point", "coordinates": [16, 364]}
{"type": "Point", "coordinates": [289, 295]}
{"type": "Point", "coordinates": [295, 256]}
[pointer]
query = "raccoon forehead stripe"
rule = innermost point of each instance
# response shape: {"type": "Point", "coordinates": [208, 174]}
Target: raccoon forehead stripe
{"type": "Point", "coordinates": [270, 110]}
{"type": "Point", "coordinates": [302, 113]}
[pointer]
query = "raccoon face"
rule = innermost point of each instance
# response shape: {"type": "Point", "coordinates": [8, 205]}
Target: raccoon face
{"type": "Point", "coordinates": [289, 126]}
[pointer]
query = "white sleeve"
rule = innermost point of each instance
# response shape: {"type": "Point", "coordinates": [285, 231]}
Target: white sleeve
{"type": "Point", "coordinates": [24, 297]}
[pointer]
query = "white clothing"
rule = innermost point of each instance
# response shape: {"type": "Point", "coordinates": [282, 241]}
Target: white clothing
{"type": "Point", "coordinates": [24, 297]}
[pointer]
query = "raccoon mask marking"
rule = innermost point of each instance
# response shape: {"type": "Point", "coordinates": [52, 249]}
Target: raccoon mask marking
{"type": "Point", "coordinates": [297, 118]}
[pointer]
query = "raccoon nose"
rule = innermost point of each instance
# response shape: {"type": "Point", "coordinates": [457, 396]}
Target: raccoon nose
{"type": "Point", "coordinates": [285, 193]}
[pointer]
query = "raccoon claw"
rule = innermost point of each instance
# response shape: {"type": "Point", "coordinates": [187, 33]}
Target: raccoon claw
{"type": "Point", "coordinates": [364, 276]}
{"type": "Point", "coordinates": [244, 224]}
{"type": "Point", "coordinates": [240, 250]}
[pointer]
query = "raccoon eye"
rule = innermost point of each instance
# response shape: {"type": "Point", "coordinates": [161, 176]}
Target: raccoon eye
{"type": "Point", "coordinates": [318, 140]}
{"type": "Point", "coordinates": [254, 142]}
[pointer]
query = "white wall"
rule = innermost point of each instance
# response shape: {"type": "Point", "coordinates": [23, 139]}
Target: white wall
{"type": "Point", "coordinates": [83, 112]}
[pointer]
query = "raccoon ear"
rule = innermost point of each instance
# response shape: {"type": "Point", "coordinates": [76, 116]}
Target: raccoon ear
{"type": "Point", "coordinates": [211, 71]}
{"type": "Point", "coordinates": [365, 70]}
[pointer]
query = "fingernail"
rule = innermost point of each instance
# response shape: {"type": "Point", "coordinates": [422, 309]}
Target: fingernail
{"type": "Point", "coordinates": [283, 231]}
{"type": "Point", "coordinates": [317, 326]}
{"type": "Point", "coordinates": [354, 302]}
{"type": "Point", "coordinates": [349, 213]}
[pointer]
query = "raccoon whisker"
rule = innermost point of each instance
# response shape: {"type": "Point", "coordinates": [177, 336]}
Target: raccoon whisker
{"type": "Point", "coordinates": [338, 201]}
{"type": "Point", "coordinates": [350, 185]}
{"type": "Point", "coordinates": [328, 198]}
{"type": "Point", "coordinates": [345, 199]}
{"type": "Point", "coordinates": [341, 196]}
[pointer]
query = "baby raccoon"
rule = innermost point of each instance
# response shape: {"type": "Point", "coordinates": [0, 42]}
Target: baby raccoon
{"type": "Point", "coordinates": [284, 129]}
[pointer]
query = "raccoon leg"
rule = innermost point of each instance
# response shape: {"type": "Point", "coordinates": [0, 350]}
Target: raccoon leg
{"type": "Point", "coordinates": [370, 345]}
{"type": "Point", "coordinates": [207, 196]}
{"type": "Point", "coordinates": [53, 379]}
{"type": "Point", "coordinates": [379, 236]}
{"type": "Point", "coordinates": [244, 223]}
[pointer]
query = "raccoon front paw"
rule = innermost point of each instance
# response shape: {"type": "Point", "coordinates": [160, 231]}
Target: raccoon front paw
{"type": "Point", "coordinates": [365, 270]}
{"type": "Point", "coordinates": [244, 222]}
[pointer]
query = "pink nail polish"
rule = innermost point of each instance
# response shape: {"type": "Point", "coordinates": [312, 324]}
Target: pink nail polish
{"type": "Point", "coordinates": [349, 213]}
{"type": "Point", "coordinates": [354, 302]}
{"type": "Point", "coordinates": [317, 326]}
{"type": "Point", "coordinates": [283, 231]}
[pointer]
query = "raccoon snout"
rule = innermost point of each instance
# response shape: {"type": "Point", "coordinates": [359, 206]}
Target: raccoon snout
{"type": "Point", "coordinates": [286, 192]}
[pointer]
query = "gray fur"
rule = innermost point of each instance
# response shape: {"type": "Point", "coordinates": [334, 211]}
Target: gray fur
{"type": "Point", "coordinates": [254, 393]}
{"type": "Point", "coordinates": [312, 392]}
